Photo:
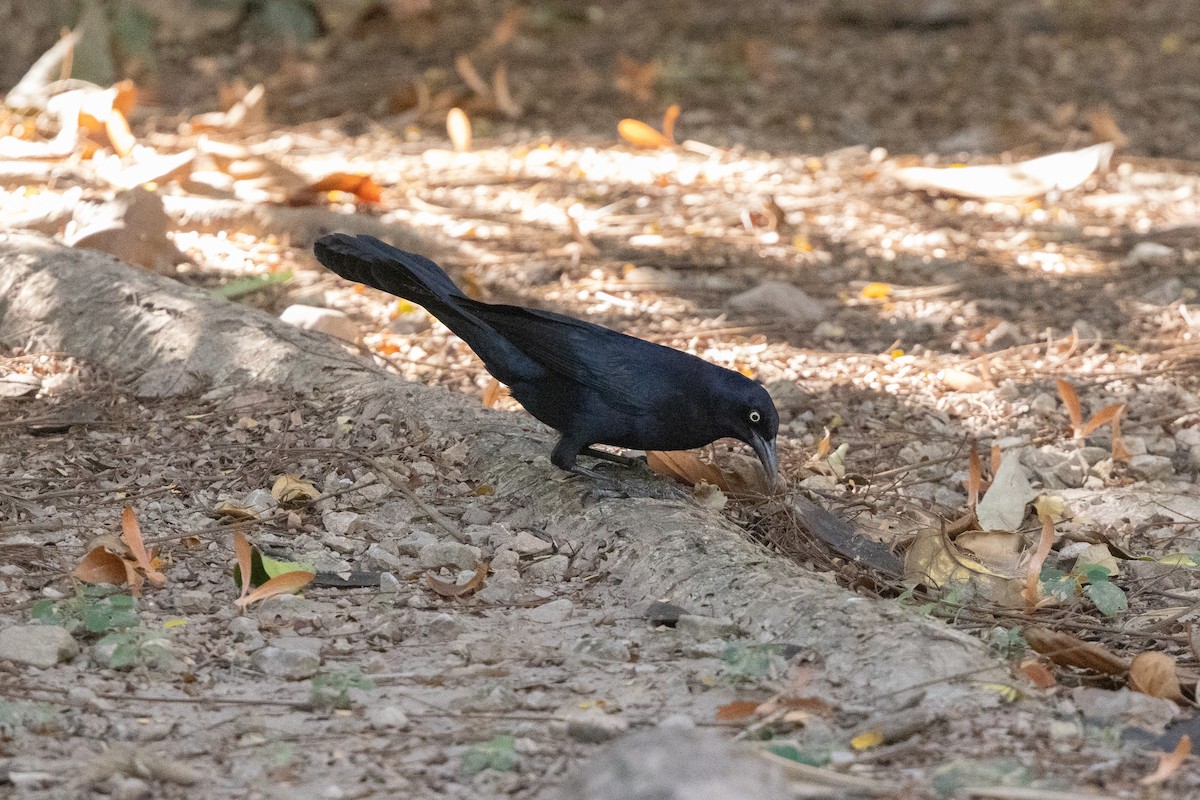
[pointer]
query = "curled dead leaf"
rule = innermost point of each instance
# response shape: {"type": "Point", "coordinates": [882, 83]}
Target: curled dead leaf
{"type": "Point", "coordinates": [1169, 763]}
{"type": "Point", "coordinates": [287, 583]}
{"type": "Point", "coordinates": [290, 490]}
{"type": "Point", "coordinates": [131, 534]}
{"type": "Point", "coordinates": [101, 566]}
{"type": "Point", "coordinates": [639, 134]}
{"type": "Point", "coordinates": [447, 589]}
{"type": "Point", "coordinates": [1155, 674]}
{"type": "Point", "coordinates": [737, 710]}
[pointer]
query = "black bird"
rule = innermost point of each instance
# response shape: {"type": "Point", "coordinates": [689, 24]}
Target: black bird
{"type": "Point", "coordinates": [591, 384]}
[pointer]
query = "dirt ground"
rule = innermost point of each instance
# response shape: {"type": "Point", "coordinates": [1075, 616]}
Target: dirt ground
{"type": "Point", "coordinates": [933, 326]}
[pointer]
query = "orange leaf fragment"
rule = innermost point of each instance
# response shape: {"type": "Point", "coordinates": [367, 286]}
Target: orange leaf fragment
{"type": "Point", "coordinates": [1032, 592]}
{"type": "Point", "coordinates": [491, 395]}
{"type": "Point", "coordinates": [639, 134]}
{"type": "Point", "coordinates": [1070, 399]}
{"type": "Point", "coordinates": [1038, 674]}
{"type": "Point", "coordinates": [974, 477]}
{"type": "Point", "coordinates": [447, 589]}
{"type": "Point", "coordinates": [245, 559]}
{"type": "Point", "coordinates": [669, 118]}
{"type": "Point", "coordinates": [116, 127]}
{"type": "Point", "coordinates": [1169, 763]}
{"type": "Point", "coordinates": [1068, 651]}
{"type": "Point", "coordinates": [131, 534]}
{"type": "Point", "coordinates": [361, 186]}
{"type": "Point", "coordinates": [1102, 417]}
{"type": "Point", "coordinates": [458, 127]}
{"type": "Point", "coordinates": [286, 583]}
{"type": "Point", "coordinates": [738, 709]}
{"type": "Point", "coordinates": [684, 466]}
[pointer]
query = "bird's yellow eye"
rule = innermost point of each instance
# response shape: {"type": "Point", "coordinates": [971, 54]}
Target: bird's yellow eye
{"type": "Point", "coordinates": [755, 416]}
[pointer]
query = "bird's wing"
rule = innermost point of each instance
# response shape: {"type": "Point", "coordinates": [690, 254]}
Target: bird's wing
{"type": "Point", "coordinates": [622, 369]}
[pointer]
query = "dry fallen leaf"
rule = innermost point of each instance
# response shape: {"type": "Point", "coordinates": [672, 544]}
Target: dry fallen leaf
{"type": "Point", "coordinates": [639, 134]}
{"type": "Point", "coordinates": [737, 710]}
{"type": "Point", "coordinates": [1025, 179]}
{"type": "Point", "coordinates": [1169, 763]}
{"type": "Point", "coordinates": [131, 534]}
{"type": "Point", "coordinates": [1154, 674]}
{"type": "Point", "coordinates": [1068, 651]}
{"type": "Point", "coordinates": [458, 126]}
{"type": "Point", "coordinates": [670, 116]}
{"type": "Point", "coordinates": [245, 559]}
{"type": "Point", "coordinates": [1032, 593]}
{"type": "Point", "coordinates": [101, 566]}
{"type": "Point", "coordinates": [290, 490]}
{"type": "Point", "coordinates": [1038, 674]}
{"type": "Point", "coordinates": [447, 589]}
{"type": "Point", "coordinates": [492, 393]}
{"type": "Point", "coordinates": [361, 186]}
{"type": "Point", "coordinates": [287, 583]}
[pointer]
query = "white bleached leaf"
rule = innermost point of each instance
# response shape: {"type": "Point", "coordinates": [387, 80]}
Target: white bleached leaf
{"type": "Point", "coordinates": [1003, 507]}
{"type": "Point", "coordinates": [1033, 178]}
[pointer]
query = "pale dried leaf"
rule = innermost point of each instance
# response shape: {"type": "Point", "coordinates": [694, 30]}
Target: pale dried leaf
{"type": "Point", "coordinates": [639, 134]}
{"type": "Point", "coordinates": [1003, 506]}
{"type": "Point", "coordinates": [1034, 178]}
{"type": "Point", "coordinates": [1155, 674]}
{"type": "Point", "coordinates": [458, 127]}
{"type": "Point", "coordinates": [447, 589]}
{"type": "Point", "coordinates": [131, 534]}
{"type": "Point", "coordinates": [1032, 593]}
{"type": "Point", "coordinates": [245, 559]}
{"type": "Point", "coordinates": [1169, 763]}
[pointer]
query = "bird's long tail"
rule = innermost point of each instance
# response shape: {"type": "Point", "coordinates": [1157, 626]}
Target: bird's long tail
{"type": "Point", "coordinates": [365, 259]}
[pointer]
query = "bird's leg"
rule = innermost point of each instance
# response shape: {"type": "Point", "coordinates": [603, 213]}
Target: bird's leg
{"type": "Point", "coordinates": [604, 455]}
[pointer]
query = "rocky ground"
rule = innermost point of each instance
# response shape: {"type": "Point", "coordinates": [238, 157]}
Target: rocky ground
{"type": "Point", "coordinates": [913, 327]}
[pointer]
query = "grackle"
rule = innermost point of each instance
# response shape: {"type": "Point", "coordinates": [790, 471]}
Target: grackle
{"type": "Point", "coordinates": [591, 384]}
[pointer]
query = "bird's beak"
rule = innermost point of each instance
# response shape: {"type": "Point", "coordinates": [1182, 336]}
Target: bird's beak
{"type": "Point", "coordinates": [766, 454]}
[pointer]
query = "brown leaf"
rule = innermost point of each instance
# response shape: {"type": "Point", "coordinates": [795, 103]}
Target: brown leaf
{"type": "Point", "coordinates": [245, 559]}
{"type": "Point", "coordinates": [1068, 651]}
{"type": "Point", "coordinates": [447, 589]}
{"type": "Point", "coordinates": [501, 95]}
{"type": "Point", "coordinates": [669, 118]}
{"type": "Point", "coordinates": [1105, 128]}
{"type": "Point", "coordinates": [116, 127]}
{"type": "Point", "coordinates": [471, 77]}
{"type": "Point", "coordinates": [458, 126]}
{"type": "Point", "coordinates": [287, 583]}
{"type": "Point", "coordinates": [1154, 674]}
{"type": "Point", "coordinates": [974, 477]}
{"type": "Point", "coordinates": [361, 186]}
{"type": "Point", "coordinates": [1038, 674]}
{"type": "Point", "coordinates": [1169, 763]}
{"type": "Point", "coordinates": [639, 134]}
{"type": "Point", "coordinates": [737, 710]}
{"type": "Point", "coordinates": [131, 534]}
{"type": "Point", "coordinates": [1032, 592]}
{"type": "Point", "coordinates": [1104, 416]}
{"type": "Point", "coordinates": [1070, 399]}
{"type": "Point", "coordinates": [683, 466]}
{"type": "Point", "coordinates": [1119, 451]}
{"type": "Point", "coordinates": [101, 566]}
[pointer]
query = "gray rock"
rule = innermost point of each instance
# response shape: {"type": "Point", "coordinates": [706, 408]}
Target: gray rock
{"type": "Point", "coordinates": [703, 628]}
{"type": "Point", "coordinates": [1188, 437]}
{"type": "Point", "coordinates": [1149, 254]}
{"type": "Point", "coordinates": [505, 559]}
{"type": "Point", "coordinates": [675, 764]}
{"type": "Point", "coordinates": [243, 627]}
{"type": "Point", "coordinates": [341, 523]}
{"type": "Point", "coordinates": [1164, 293]}
{"type": "Point", "coordinates": [1151, 468]}
{"type": "Point", "coordinates": [411, 545]}
{"type": "Point", "coordinates": [195, 601]}
{"type": "Point", "coordinates": [1161, 446]}
{"type": "Point", "coordinates": [476, 515]}
{"type": "Point", "coordinates": [125, 787]}
{"type": "Point", "coordinates": [379, 557]}
{"type": "Point", "coordinates": [527, 544]}
{"type": "Point", "coordinates": [388, 717]}
{"type": "Point", "coordinates": [550, 613]}
{"type": "Point", "coordinates": [113, 653]}
{"type": "Point", "coordinates": [600, 649]}
{"type": "Point", "coordinates": [1093, 455]}
{"type": "Point", "coordinates": [779, 300]}
{"type": "Point", "coordinates": [292, 659]}
{"type": "Point", "coordinates": [37, 645]}
{"type": "Point", "coordinates": [1124, 706]}
{"type": "Point", "coordinates": [1044, 404]}
{"type": "Point", "coordinates": [388, 583]}
{"type": "Point", "coordinates": [326, 320]}
{"type": "Point", "coordinates": [549, 568]}
{"type": "Point", "coordinates": [449, 554]}
{"type": "Point", "coordinates": [503, 586]}
{"type": "Point", "coordinates": [594, 726]}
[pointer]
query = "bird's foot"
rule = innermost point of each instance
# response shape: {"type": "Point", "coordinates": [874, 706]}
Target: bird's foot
{"type": "Point", "coordinates": [599, 486]}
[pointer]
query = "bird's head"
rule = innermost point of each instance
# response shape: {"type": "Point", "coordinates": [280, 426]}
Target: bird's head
{"type": "Point", "coordinates": [755, 421]}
